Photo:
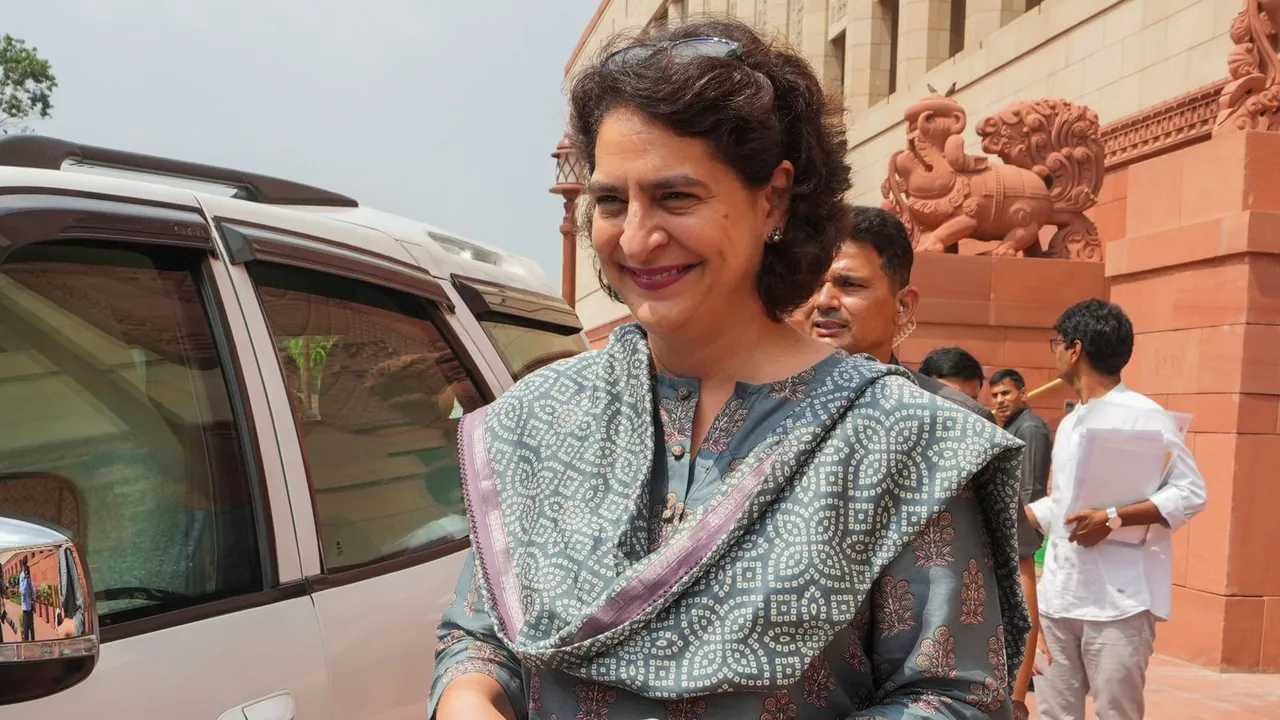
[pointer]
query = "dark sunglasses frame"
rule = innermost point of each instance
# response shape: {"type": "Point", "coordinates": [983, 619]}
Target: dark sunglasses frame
{"type": "Point", "coordinates": [684, 49]}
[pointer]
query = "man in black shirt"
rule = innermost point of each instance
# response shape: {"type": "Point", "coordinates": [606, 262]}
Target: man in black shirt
{"type": "Point", "coordinates": [1009, 397]}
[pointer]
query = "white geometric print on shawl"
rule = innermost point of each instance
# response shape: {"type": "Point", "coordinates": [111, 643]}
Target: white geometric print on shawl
{"type": "Point", "coordinates": [556, 478]}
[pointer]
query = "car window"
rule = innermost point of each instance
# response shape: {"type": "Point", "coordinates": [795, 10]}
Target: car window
{"type": "Point", "coordinates": [524, 350]}
{"type": "Point", "coordinates": [116, 423]}
{"type": "Point", "coordinates": [377, 393]}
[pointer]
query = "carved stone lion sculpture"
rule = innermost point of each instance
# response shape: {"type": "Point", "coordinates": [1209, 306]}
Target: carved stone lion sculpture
{"type": "Point", "coordinates": [1051, 173]}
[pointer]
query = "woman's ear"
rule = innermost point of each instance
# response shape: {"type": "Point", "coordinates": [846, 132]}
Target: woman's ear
{"type": "Point", "coordinates": [778, 194]}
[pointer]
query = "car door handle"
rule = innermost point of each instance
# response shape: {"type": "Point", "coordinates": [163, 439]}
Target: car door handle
{"type": "Point", "coordinates": [272, 707]}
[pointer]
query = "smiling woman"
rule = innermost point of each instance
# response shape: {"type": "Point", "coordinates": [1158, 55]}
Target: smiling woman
{"type": "Point", "coordinates": [678, 525]}
{"type": "Point", "coordinates": [741, 175]}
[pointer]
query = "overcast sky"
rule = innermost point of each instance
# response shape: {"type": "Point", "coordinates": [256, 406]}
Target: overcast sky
{"type": "Point", "coordinates": [442, 110]}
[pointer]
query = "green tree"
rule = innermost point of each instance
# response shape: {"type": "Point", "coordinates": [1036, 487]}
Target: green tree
{"type": "Point", "coordinates": [26, 85]}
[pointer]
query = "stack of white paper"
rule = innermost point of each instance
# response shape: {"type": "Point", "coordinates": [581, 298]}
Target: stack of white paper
{"type": "Point", "coordinates": [1124, 458]}
{"type": "Point", "coordinates": [1118, 468]}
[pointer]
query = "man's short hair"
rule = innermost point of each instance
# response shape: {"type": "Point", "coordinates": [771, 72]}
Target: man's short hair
{"type": "Point", "coordinates": [1011, 375]}
{"type": "Point", "coordinates": [1104, 332]}
{"type": "Point", "coordinates": [885, 234]}
{"type": "Point", "coordinates": [951, 362]}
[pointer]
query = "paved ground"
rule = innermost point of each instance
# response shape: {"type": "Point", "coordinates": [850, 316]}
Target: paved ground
{"type": "Point", "coordinates": [44, 631]}
{"type": "Point", "coordinates": [1179, 691]}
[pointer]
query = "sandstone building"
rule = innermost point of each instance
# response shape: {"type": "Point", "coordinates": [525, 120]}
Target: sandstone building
{"type": "Point", "coordinates": [1150, 68]}
{"type": "Point", "coordinates": [1188, 217]}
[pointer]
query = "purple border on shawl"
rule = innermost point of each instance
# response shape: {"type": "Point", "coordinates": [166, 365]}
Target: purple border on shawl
{"type": "Point", "coordinates": [489, 535]}
{"type": "Point", "coordinates": [675, 559]}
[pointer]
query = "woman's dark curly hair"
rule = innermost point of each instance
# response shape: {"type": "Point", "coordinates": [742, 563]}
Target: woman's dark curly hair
{"type": "Point", "coordinates": [754, 111]}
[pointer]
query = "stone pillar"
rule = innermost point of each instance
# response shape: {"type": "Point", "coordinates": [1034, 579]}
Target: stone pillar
{"type": "Point", "coordinates": [795, 22]}
{"type": "Point", "coordinates": [924, 37]}
{"type": "Point", "coordinates": [984, 17]}
{"type": "Point", "coordinates": [1199, 273]}
{"type": "Point", "coordinates": [816, 42]}
{"type": "Point", "coordinates": [869, 53]}
{"type": "Point", "coordinates": [835, 71]}
{"type": "Point", "coordinates": [779, 13]}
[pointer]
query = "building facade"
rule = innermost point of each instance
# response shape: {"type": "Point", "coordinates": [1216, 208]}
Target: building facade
{"type": "Point", "coordinates": [1151, 69]}
{"type": "Point", "coordinates": [1187, 216]}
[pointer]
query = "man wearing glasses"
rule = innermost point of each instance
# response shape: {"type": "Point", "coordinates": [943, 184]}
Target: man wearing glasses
{"type": "Point", "coordinates": [1099, 601]}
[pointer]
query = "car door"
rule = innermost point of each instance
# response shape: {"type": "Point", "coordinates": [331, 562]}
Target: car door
{"type": "Point", "coordinates": [376, 382]}
{"type": "Point", "coordinates": [130, 414]}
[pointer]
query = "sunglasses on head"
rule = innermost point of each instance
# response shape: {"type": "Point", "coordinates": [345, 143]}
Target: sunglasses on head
{"type": "Point", "coordinates": [678, 49]}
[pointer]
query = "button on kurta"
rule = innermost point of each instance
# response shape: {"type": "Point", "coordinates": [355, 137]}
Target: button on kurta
{"type": "Point", "coordinates": [677, 451]}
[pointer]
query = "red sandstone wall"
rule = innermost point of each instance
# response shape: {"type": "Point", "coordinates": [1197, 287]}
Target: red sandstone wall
{"type": "Point", "coordinates": [1198, 271]}
{"type": "Point", "coordinates": [1002, 311]}
{"type": "Point", "coordinates": [1113, 204]}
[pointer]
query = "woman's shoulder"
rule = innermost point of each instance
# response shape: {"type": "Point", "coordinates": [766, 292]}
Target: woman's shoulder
{"type": "Point", "coordinates": [547, 400]}
{"type": "Point", "coordinates": [883, 382]}
{"type": "Point", "coordinates": [891, 392]}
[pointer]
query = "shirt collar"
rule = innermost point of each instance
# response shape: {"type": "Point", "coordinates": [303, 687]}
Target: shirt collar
{"type": "Point", "coordinates": [1119, 389]}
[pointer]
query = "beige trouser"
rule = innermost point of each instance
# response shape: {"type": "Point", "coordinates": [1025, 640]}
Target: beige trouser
{"type": "Point", "coordinates": [1108, 659]}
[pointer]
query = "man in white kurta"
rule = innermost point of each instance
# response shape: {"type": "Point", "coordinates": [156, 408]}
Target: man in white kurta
{"type": "Point", "coordinates": [1100, 601]}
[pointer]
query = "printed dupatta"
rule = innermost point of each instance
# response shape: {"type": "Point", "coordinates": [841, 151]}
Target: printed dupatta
{"type": "Point", "coordinates": [761, 578]}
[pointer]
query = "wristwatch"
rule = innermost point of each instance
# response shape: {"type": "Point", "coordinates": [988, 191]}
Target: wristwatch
{"type": "Point", "coordinates": [1113, 519]}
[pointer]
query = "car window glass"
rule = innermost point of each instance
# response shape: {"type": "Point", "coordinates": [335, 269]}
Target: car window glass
{"type": "Point", "coordinates": [116, 424]}
{"type": "Point", "coordinates": [524, 350]}
{"type": "Point", "coordinates": [377, 393]}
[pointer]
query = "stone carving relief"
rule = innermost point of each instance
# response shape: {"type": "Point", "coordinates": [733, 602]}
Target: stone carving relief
{"type": "Point", "coordinates": [1251, 100]}
{"type": "Point", "coordinates": [1175, 123]}
{"type": "Point", "coordinates": [1051, 172]}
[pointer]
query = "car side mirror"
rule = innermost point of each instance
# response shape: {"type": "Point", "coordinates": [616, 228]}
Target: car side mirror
{"type": "Point", "coordinates": [48, 627]}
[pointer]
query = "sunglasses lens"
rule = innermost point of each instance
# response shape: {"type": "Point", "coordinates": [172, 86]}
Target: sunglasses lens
{"type": "Point", "coordinates": [631, 54]}
{"type": "Point", "coordinates": [704, 47]}
{"type": "Point", "coordinates": [680, 50]}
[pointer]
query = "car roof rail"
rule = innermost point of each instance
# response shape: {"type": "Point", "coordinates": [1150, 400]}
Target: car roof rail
{"type": "Point", "coordinates": [38, 151]}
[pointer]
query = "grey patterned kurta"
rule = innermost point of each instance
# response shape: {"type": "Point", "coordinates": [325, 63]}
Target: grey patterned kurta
{"type": "Point", "coordinates": [928, 642]}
